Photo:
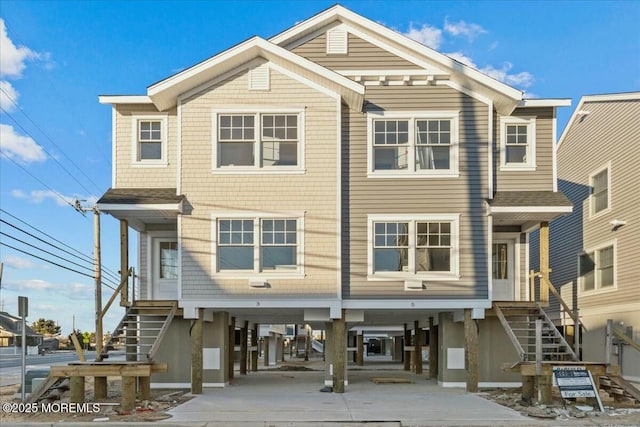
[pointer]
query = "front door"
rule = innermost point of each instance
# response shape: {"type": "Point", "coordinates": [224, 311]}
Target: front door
{"type": "Point", "coordinates": [165, 269]}
{"type": "Point", "coordinates": [503, 270]}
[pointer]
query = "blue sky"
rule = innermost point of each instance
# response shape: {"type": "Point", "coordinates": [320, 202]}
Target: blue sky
{"type": "Point", "coordinates": [57, 57]}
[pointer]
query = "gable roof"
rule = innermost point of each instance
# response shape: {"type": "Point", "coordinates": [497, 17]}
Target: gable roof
{"type": "Point", "coordinates": [505, 97]}
{"type": "Point", "coordinates": [580, 112]}
{"type": "Point", "coordinates": [13, 325]}
{"type": "Point", "coordinates": [164, 94]}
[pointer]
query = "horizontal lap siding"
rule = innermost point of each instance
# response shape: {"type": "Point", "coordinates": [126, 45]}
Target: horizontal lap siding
{"type": "Point", "coordinates": [314, 192]}
{"type": "Point", "coordinates": [361, 55]}
{"type": "Point", "coordinates": [608, 133]}
{"type": "Point", "coordinates": [464, 195]}
{"type": "Point", "coordinates": [541, 178]}
{"type": "Point", "coordinates": [129, 176]}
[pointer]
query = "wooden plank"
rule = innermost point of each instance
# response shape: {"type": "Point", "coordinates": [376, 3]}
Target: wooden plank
{"type": "Point", "coordinates": [144, 388]}
{"type": "Point", "coordinates": [76, 386]}
{"type": "Point", "coordinates": [529, 369]}
{"type": "Point", "coordinates": [163, 330]}
{"type": "Point", "coordinates": [42, 388]}
{"type": "Point", "coordinates": [507, 329]}
{"type": "Point", "coordinates": [128, 402]}
{"type": "Point", "coordinates": [100, 388]}
{"type": "Point", "coordinates": [390, 380]}
{"type": "Point", "coordinates": [623, 337]}
{"type": "Point", "coordinates": [101, 371]}
{"type": "Point", "coordinates": [78, 347]}
{"type": "Point", "coordinates": [624, 385]}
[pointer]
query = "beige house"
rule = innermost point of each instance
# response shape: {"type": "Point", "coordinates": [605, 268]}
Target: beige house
{"type": "Point", "coordinates": [340, 175]}
{"type": "Point", "coordinates": [596, 250]}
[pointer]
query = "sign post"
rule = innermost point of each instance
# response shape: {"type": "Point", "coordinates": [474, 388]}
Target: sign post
{"type": "Point", "coordinates": [23, 312]}
{"type": "Point", "coordinates": [576, 382]}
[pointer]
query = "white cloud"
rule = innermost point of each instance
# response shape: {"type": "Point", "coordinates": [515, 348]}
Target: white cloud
{"type": "Point", "coordinates": [73, 290]}
{"type": "Point", "coordinates": [461, 28]}
{"type": "Point", "coordinates": [12, 57]}
{"type": "Point", "coordinates": [8, 96]}
{"type": "Point", "coordinates": [20, 263]}
{"type": "Point", "coordinates": [22, 148]}
{"type": "Point", "coordinates": [522, 80]}
{"type": "Point", "coordinates": [39, 196]}
{"type": "Point", "coordinates": [427, 35]}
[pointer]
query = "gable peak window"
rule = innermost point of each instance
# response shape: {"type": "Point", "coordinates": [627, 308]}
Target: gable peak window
{"type": "Point", "coordinates": [517, 143]}
{"type": "Point", "coordinates": [413, 144]}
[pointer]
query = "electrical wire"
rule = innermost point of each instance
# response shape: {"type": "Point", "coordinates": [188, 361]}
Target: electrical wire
{"type": "Point", "coordinates": [45, 260]}
{"type": "Point", "coordinates": [13, 101]}
{"type": "Point", "coordinates": [48, 153]}
{"type": "Point", "coordinates": [89, 258]}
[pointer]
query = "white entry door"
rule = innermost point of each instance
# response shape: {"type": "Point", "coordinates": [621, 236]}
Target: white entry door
{"type": "Point", "coordinates": [503, 270]}
{"type": "Point", "coordinates": [165, 269]}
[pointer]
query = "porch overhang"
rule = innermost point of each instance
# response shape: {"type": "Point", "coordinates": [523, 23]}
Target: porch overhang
{"type": "Point", "coordinates": [527, 209]}
{"type": "Point", "coordinates": [142, 206]}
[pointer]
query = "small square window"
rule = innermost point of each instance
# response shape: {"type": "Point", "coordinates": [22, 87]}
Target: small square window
{"type": "Point", "coordinates": [149, 140]}
{"type": "Point", "coordinates": [517, 143]}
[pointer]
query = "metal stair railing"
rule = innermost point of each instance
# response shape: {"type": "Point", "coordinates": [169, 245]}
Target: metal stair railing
{"type": "Point", "coordinates": [557, 334]}
{"type": "Point", "coordinates": [509, 331]}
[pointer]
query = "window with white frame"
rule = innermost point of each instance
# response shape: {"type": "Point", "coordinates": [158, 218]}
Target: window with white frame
{"type": "Point", "coordinates": [258, 141]}
{"type": "Point", "coordinates": [168, 262]}
{"type": "Point", "coordinates": [423, 246]}
{"type": "Point", "coordinates": [258, 245]}
{"type": "Point", "coordinates": [517, 143]}
{"type": "Point", "coordinates": [414, 143]}
{"type": "Point", "coordinates": [597, 269]}
{"type": "Point", "coordinates": [149, 140]}
{"type": "Point", "coordinates": [599, 199]}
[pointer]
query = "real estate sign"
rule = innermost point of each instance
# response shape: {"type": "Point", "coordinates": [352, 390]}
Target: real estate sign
{"type": "Point", "coordinates": [576, 381]}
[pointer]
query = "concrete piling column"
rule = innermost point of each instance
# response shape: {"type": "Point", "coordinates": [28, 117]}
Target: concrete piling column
{"type": "Point", "coordinates": [360, 352]}
{"type": "Point", "coordinates": [196, 354]}
{"type": "Point", "coordinates": [472, 352]}
{"type": "Point", "coordinates": [406, 343]}
{"type": "Point", "coordinates": [433, 349]}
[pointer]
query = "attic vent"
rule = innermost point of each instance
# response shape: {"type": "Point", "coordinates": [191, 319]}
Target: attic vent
{"type": "Point", "coordinates": [259, 78]}
{"type": "Point", "coordinates": [337, 40]}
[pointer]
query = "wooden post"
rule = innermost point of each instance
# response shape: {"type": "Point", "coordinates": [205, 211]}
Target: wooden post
{"type": "Point", "coordinates": [97, 267]}
{"type": "Point", "coordinates": [544, 387]}
{"type": "Point", "coordinates": [407, 354]}
{"type": "Point", "coordinates": [360, 352]}
{"type": "Point", "coordinates": [128, 402]}
{"type": "Point", "coordinates": [196, 354]}
{"type": "Point", "coordinates": [76, 385]}
{"type": "Point", "coordinates": [254, 344]}
{"type": "Point", "coordinates": [528, 388]}
{"type": "Point", "coordinates": [144, 388]}
{"type": "Point", "coordinates": [266, 346]}
{"type": "Point", "coordinates": [417, 346]}
{"type": "Point", "coordinates": [472, 352]}
{"type": "Point", "coordinates": [232, 346]}
{"type": "Point", "coordinates": [433, 350]}
{"type": "Point", "coordinates": [244, 332]}
{"type": "Point", "coordinates": [100, 388]}
{"type": "Point", "coordinates": [544, 261]}
{"type": "Point", "coordinates": [339, 353]}
{"type": "Point", "coordinates": [608, 344]}
{"type": "Point", "coordinates": [124, 261]}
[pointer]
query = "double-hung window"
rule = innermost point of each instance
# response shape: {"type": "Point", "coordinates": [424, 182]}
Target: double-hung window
{"type": "Point", "coordinates": [258, 141]}
{"type": "Point", "coordinates": [410, 144]}
{"type": "Point", "coordinates": [597, 269]}
{"type": "Point", "coordinates": [517, 143]}
{"type": "Point", "coordinates": [420, 246]}
{"type": "Point", "coordinates": [257, 245]}
{"type": "Point", "coordinates": [149, 140]}
{"type": "Point", "coordinates": [599, 199]}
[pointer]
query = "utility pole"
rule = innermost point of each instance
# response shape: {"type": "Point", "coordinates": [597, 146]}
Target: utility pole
{"type": "Point", "coordinates": [98, 278]}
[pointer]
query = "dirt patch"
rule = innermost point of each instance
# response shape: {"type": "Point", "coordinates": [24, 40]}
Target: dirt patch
{"type": "Point", "coordinates": [162, 400]}
{"type": "Point", "coordinates": [570, 412]}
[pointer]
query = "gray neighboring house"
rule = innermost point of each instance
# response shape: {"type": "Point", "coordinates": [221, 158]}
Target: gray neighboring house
{"type": "Point", "coordinates": [595, 251]}
{"type": "Point", "coordinates": [338, 174]}
{"type": "Point", "coordinates": [11, 335]}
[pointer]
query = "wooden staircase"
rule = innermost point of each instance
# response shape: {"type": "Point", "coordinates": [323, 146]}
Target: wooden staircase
{"type": "Point", "coordinates": [619, 389]}
{"type": "Point", "coordinates": [142, 329]}
{"type": "Point", "coordinates": [519, 321]}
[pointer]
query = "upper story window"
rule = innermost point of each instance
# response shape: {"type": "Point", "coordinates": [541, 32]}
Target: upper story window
{"type": "Point", "coordinates": [409, 246]}
{"type": "Point", "coordinates": [265, 141]}
{"type": "Point", "coordinates": [150, 140]}
{"type": "Point", "coordinates": [517, 143]}
{"type": "Point", "coordinates": [600, 194]}
{"type": "Point", "coordinates": [597, 269]}
{"type": "Point", "coordinates": [406, 144]}
{"type": "Point", "coordinates": [258, 245]}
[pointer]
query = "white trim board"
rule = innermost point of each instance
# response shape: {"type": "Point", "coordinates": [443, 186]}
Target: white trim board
{"type": "Point", "coordinates": [483, 384]}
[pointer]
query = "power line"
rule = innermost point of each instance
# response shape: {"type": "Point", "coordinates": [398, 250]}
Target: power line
{"type": "Point", "coordinates": [106, 269]}
{"type": "Point", "coordinates": [48, 153]}
{"type": "Point", "coordinates": [37, 179]}
{"type": "Point", "coordinates": [48, 137]}
{"type": "Point", "coordinates": [85, 259]}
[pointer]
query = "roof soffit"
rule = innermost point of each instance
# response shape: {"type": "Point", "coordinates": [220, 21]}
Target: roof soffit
{"type": "Point", "coordinates": [504, 97]}
{"type": "Point", "coordinates": [165, 93]}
